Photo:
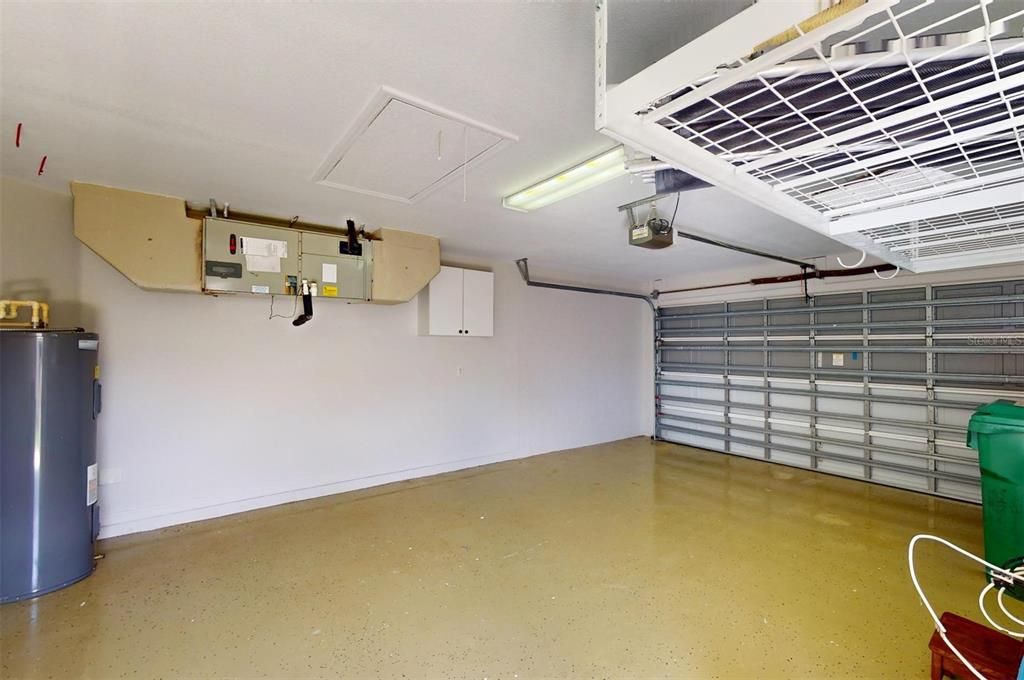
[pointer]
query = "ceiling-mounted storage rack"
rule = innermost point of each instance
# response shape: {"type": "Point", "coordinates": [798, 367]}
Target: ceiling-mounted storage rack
{"type": "Point", "coordinates": [893, 126]}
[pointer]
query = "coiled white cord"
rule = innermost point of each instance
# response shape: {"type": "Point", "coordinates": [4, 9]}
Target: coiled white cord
{"type": "Point", "coordinates": [863, 256]}
{"type": "Point", "coordinates": [1002, 605]}
{"type": "Point", "coordinates": [1016, 575]}
{"type": "Point", "coordinates": [981, 605]}
{"type": "Point", "coordinates": [886, 278]}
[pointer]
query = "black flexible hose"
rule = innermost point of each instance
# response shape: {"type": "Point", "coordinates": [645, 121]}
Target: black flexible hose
{"type": "Point", "coordinates": [307, 310]}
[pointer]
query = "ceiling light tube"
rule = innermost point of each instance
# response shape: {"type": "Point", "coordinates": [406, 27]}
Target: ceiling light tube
{"type": "Point", "coordinates": [587, 175]}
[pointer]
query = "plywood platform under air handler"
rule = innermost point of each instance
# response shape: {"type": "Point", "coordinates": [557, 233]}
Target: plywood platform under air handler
{"type": "Point", "coordinates": [146, 237]}
{"type": "Point", "coordinates": [159, 243]}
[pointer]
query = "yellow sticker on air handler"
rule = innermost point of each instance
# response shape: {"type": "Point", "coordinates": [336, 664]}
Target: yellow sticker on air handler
{"type": "Point", "coordinates": [330, 291]}
{"type": "Point", "coordinates": [96, 372]}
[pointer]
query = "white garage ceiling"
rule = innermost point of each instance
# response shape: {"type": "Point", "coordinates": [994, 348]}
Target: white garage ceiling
{"type": "Point", "coordinates": [244, 102]}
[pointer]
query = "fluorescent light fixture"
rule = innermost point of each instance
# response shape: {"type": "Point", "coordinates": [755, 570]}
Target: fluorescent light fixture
{"type": "Point", "coordinates": [587, 175]}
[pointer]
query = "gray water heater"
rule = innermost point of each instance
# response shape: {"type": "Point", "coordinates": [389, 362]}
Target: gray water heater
{"type": "Point", "coordinates": [49, 402]}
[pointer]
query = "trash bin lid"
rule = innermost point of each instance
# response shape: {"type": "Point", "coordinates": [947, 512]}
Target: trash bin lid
{"type": "Point", "coordinates": [999, 416]}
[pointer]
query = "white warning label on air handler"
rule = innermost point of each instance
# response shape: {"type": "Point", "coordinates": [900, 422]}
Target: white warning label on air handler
{"type": "Point", "coordinates": [91, 484]}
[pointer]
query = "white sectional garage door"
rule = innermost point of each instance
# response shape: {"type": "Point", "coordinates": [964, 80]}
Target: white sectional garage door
{"type": "Point", "coordinates": [876, 385]}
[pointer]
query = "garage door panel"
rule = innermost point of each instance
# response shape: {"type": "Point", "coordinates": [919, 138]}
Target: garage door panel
{"type": "Point", "coordinates": [840, 406]}
{"type": "Point", "coordinates": [902, 479]}
{"type": "Point", "coordinates": [877, 399]}
{"type": "Point", "coordinates": [794, 459]}
{"type": "Point", "coordinates": [836, 467]}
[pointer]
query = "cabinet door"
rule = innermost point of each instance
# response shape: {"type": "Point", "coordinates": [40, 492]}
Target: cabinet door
{"type": "Point", "coordinates": [445, 302]}
{"type": "Point", "coordinates": [478, 303]}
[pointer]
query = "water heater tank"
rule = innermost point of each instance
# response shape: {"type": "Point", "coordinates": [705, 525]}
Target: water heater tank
{"type": "Point", "coordinates": [49, 402]}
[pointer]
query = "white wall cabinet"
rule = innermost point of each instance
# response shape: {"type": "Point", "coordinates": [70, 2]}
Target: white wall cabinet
{"type": "Point", "coordinates": [458, 302]}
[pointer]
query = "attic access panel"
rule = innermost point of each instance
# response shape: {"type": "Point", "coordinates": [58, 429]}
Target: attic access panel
{"type": "Point", "coordinates": [879, 114]}
{"type": "Point", "coordinates": [402, 148]}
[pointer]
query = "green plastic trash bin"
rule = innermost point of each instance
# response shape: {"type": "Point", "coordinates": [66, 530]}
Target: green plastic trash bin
{"type": "Point", "coordinates": [996, 430]}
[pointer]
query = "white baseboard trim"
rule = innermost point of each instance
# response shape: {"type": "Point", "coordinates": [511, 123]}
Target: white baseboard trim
{"type": "Point", "coordinates": [122, 526]}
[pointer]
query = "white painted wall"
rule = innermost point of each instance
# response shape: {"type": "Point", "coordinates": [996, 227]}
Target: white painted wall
{"type": "Point", "coordinates": [211, 408]}
{"type": "Point", "coordinates": [38, 254]}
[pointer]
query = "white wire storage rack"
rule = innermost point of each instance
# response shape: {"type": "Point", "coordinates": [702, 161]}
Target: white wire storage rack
{"type": "Point", "coordinates": [894, 126]}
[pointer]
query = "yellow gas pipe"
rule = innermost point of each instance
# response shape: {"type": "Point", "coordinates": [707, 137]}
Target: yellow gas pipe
{"type": "Point", "coordinates": [9, 310]}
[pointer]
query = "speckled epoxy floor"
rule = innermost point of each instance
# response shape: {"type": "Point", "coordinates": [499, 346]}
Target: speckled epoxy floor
{"type": "Point", "coordinates": [627, 559]}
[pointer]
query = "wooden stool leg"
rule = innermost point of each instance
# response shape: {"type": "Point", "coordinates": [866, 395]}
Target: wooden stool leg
{"type": "Point", "coordinates": [937, 671]}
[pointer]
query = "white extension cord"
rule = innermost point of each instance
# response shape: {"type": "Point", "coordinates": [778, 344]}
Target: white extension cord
{"type": "Point", "coordinates": [1015, 575]}
{"type": "Point", "coordinates": [981, 605]}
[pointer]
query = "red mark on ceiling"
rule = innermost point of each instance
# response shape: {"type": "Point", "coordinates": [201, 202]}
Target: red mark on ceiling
{"type": "Point", "coordinates": [42, 166]}
{"type": "Point", "coordinates": [17, 137]}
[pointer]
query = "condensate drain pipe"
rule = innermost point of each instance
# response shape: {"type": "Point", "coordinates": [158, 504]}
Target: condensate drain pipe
{"type": "Point", "coordinates": [307, 304]}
